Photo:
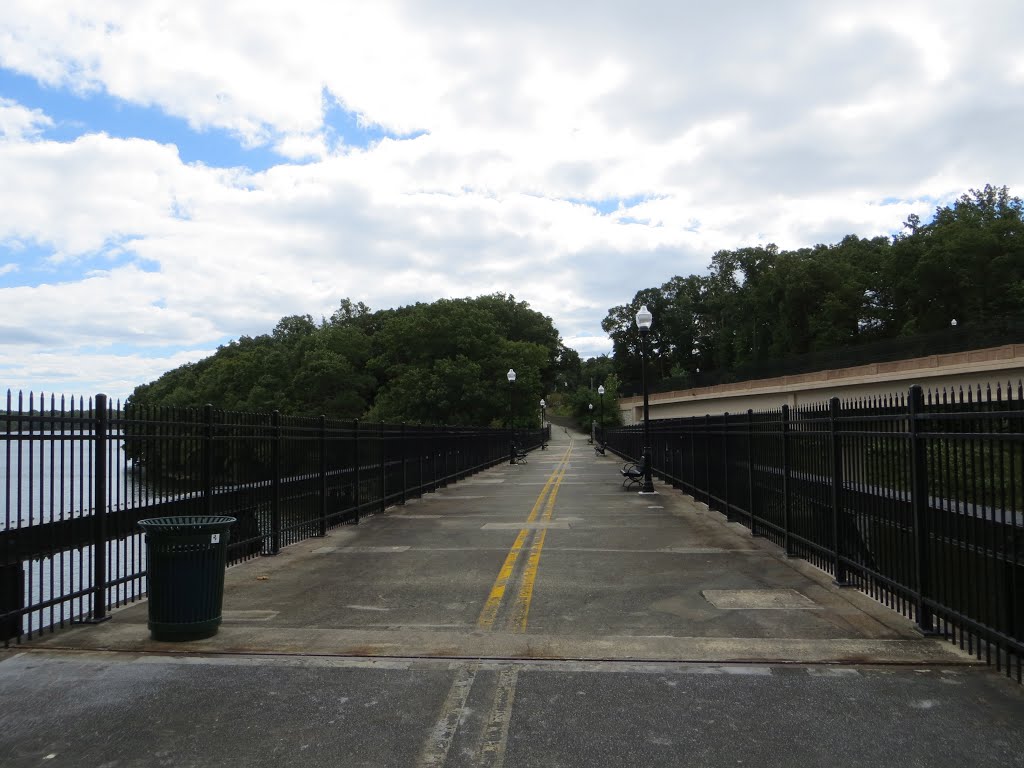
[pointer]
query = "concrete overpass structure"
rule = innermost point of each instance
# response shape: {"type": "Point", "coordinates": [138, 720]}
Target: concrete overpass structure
{"type": "Point", "coordinates": [985, 367]}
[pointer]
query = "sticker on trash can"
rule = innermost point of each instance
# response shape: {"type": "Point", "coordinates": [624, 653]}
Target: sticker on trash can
{"type": "Point", "coordinates": [215, 538]}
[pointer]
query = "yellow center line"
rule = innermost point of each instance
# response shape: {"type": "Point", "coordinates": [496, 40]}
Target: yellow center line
{"type": "Point", "coordinates": [490, 609]}
{"type": "Point", "coordinates": [521, 609]}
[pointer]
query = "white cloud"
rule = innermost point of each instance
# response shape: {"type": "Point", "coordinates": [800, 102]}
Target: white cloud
{"type": "Point", "coordinates": [301, 147]}
{"type": "Point", "coordinates": [71, 373]}
{"type": "Point", "coordinates": [719, 126]}
{"type": "Point", "coordinates": [18, 123]}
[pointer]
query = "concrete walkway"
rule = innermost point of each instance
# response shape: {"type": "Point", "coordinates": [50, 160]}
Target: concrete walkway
{"type": "Point", "coordinates": [535, 614]}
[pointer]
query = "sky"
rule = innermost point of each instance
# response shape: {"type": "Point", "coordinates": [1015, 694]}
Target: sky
{"type": "Point", "coordinates": [175, 175]}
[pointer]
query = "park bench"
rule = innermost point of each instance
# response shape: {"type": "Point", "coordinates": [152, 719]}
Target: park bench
{"type": "Point", "coordinates": [599, 449]}
{"type": "Point", "coordinates": [632, 472]}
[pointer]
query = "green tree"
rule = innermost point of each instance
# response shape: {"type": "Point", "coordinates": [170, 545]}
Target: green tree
{"type": "Point", "coordinates": [968, 263]}
{"type": "Point", "coordinates": [760, 304]}
{"type": "Point", "coordinates": [447, 361]}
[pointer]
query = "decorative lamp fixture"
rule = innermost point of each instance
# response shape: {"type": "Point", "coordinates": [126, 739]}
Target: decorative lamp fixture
{"type": "Point", "coordinates": [643, 321]}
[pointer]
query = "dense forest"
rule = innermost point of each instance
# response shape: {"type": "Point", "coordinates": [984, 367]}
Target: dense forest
{"type": "Point", "coordinates": [445, 362]}
{"type": "Point", "coordinates": [762, 304]}
{"type": "Point", "coordinates": [439, 363]}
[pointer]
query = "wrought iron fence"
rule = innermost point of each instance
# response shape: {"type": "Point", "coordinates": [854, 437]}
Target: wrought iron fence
{"type": "Point", "coordinates": [918, 500]}
{"type": "Point", "coordinates": [77, 475]}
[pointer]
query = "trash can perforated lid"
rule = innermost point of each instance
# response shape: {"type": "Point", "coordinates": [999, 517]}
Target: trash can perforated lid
{"type": "Point", "coordinates": [185, 523]}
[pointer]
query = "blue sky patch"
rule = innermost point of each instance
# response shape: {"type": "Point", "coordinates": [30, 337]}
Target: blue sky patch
{"type": "Point", "coordinates": [137, 345]}
{"type": "Point", "coordinates": [902, 200]}
{"type": "Point", "coordinates": [344, 125]}
{"type": "Point", "coordinates": [611, 204]}
{"type": "Point", "coordinates": [75, 115]}
{"type": "Point", "coordinates": [26, 263]}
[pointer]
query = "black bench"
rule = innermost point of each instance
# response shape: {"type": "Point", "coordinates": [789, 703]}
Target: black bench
{"type": "Point", "coordinates": [632, 472]}
{"type": "Point", "coordinates": [599, 449]}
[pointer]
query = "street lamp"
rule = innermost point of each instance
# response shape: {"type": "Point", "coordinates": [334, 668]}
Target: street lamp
{"type": "Point", "coordinates": [511, 376]}
{"type": "Point", "coordinates": [591, 409]}
{"type": "Point", "coordinates": [643, 321]}
{"type": "Point", "coordinates": [600, 391]}
{"type": "Point", "coordinates": [543, 432]}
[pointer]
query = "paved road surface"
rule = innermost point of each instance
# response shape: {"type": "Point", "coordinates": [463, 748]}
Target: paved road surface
{"type": "Point", "coordinates": [533, 615]}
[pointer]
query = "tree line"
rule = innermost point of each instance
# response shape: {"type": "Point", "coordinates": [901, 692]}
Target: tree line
{"type": "Point", "coordinates": [760, 304]}
{"type": "Point", "coordinates": [443, 362]}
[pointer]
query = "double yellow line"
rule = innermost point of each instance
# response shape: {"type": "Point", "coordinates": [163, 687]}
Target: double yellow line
{"type": "Point", "coordinates": [521, 608]}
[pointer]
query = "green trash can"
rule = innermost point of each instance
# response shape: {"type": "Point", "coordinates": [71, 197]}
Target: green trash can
{"type": "Point", "coordinates": [186, 558]}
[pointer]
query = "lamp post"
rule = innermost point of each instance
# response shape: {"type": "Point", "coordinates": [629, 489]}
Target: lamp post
{"type": "Point", "coordinates": [511, 376]}
{"type": "Point", "coordinates": [590, 409]}
{"type": "Point", "coordinates": [600, 391]}
{"type": "Point", "coordinates": [643, 322]}
{"type": "Point", "coordinates": [543, 433]}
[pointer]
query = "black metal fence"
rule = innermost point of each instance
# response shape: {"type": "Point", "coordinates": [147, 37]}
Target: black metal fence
{"type": "Point", "coordinates": [78, 475]}
{"type": "Point", "coordinates": [915, 499]}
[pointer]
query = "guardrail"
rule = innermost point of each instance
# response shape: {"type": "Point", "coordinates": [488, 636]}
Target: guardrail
{"type": "Point", "coordinates": [916, 499]}
{"type": "Point", "coordinates": [78, 475]}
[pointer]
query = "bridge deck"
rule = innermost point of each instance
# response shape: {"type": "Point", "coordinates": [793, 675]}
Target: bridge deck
{"type": "Point", "coordinates": [551, 560]}
{"type": "Point", "coordinates": [534, 614]}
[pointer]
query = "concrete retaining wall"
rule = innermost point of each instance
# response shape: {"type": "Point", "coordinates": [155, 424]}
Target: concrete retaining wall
{"type": "Point", "coordinates": [992, 366]}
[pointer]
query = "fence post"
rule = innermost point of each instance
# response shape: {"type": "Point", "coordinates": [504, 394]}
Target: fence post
{"type": "Point", "coordinates": [750, 472]}
{"type": "Point", "coordinates": [693, 456]}
{"type": "Point", "coordinates": [275, 498]}
{"type": "Point", "coordinates": [98, 612]}
{"type": "Point", "coordinates": [725, 466]}
{"type": "Point", "coordinates": [787, 539]}
{"type": "Point", "coordinates": [383, 455]}
{"type": "Point", "coordinates": [433, 461]}
{"type": "Point", "coordinates": [444, 456]}
{"type": "Point", "coordinates": [322, 439]}
{"type": "Point", "coordinates": [460, 454]}
{"type": "Point", "coordinates": [919, 504]}
{"type": "Point", "coordinates": [404, 454]}
{"type": "Point", "coordinates": [456, 450]}
{"type": "Point", "coordinates": [839, 567]}
{"type": "Point", "coordinates": [355, 471]}
{"type": "Point", "coordinates": [420, 482]}
{"type": "Point", "coordinates": [673, 476]}
{"type": "Point", "coordinates": [707, 458]}
{"type": "Point", "coordinates": [208, 459]}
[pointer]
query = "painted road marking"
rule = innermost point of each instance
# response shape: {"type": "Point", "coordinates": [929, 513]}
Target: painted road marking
{"type": "Point", "coordinates": [521, 608]}
{"type": "Point", "coordinates": [490, 610]}
{"type": "Point", "coordinates": [493, 742]}
{"type": "Point", "coordinates": [435, 751]}
{"type": "Point", "coordinates": [495, 737]}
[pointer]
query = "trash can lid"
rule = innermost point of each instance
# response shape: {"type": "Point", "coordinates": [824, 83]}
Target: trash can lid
{"type": "Point", "coordinates": [186, 523]}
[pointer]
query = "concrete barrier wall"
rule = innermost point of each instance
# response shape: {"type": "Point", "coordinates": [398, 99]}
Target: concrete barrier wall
{"type": "Point", "coordinates": [987, 367]}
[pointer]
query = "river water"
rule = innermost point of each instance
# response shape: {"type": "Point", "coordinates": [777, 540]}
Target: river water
{"type": "Point", "coordinates": [48, 477]}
